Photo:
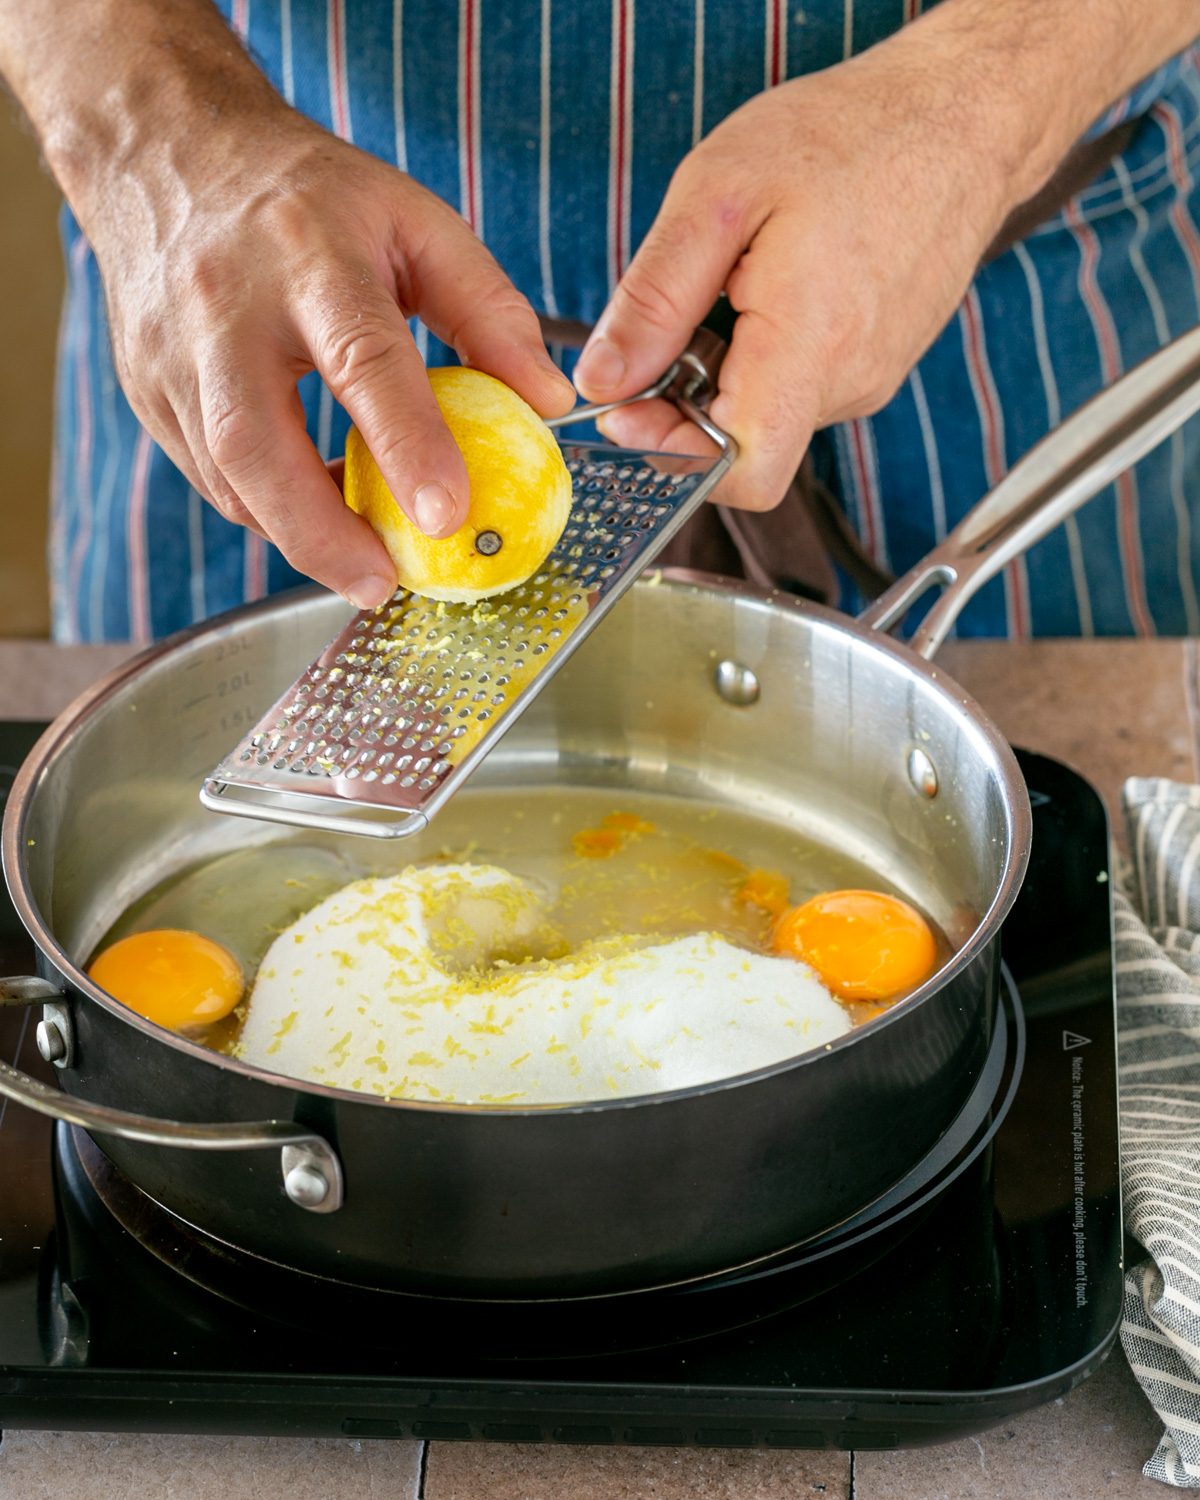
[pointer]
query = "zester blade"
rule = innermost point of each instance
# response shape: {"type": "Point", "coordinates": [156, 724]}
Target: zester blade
{"type": "Point", "coordinates": [405, 703]}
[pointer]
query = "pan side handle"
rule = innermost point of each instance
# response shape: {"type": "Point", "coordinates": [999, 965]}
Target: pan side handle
{"type": "Point", "coordinates": [1082, 456]}
{"type": "Point", "coordinates": [312, 1172]}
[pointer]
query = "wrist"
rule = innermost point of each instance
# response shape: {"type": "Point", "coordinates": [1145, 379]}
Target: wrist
{"type": "Point", "coordinates": [140, 101]}
{"type": "Point", "coordinates": [987, 101]}
{"type": "Point", "coordinates": [1024, 80]}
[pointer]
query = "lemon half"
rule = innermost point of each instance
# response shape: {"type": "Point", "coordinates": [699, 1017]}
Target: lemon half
{"type": "Point", "coordinates": [520, 495]}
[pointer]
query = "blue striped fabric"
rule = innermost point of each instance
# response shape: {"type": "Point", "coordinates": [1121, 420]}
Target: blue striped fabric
{"type": "Point", "coordinates": [559, 151]}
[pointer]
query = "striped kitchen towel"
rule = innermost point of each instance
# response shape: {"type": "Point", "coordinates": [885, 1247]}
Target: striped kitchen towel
{"type": "Point", "coordinates": [1158, 1019]}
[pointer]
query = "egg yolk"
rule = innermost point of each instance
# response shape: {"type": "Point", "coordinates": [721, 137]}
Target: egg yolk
{"type": "Point", "coordinates": [864, 945]}
{"type": "Point", "coordinates": [765, 889]}
{"type": "Point", "coordinates": [613, 834]}
{"type": "Point", "coordinates": [175, 978]}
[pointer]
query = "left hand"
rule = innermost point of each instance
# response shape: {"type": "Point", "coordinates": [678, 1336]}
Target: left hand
{"type": "Point", "coordinates": [845, 214]}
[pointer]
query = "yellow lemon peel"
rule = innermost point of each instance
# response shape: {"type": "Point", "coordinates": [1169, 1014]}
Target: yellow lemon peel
{"type": "Point", "coordinates": [519, 503]}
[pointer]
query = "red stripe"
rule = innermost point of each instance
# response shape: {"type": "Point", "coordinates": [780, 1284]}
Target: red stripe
{"type": "Point", "coordinates": [619, 174]}
{"type": "Point", "coordinates": [1015, 582]}
{"type": "Point", "coordinates": [138, 583]}
{"type": "Point", "coordinates": [777, 23]}
{"type": "Point", "coordinates": [471, 206]}
{"type": "Point", "coordinates": [866, 489]}
{"type": "Point", "coordinates": [912, 9]}
{"type": "Point", "coordinates": [337, 68]}
{"type": "Point", "coordinates": [1132, 564]}
{"type": "Point", "coordinates": [254, 567]}
{"type": "Point", "coordinates": [993, 448]}
{"type": "Point", "coordinates": [1106, 333]}
{"type": "Point", "coordinates": [1016, 602]}
{"type": "Point", "coordinates": [1181, 177]}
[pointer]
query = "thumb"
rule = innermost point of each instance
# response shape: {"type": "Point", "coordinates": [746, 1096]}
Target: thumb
{"type": "Point", "coordinates": [670, 285]}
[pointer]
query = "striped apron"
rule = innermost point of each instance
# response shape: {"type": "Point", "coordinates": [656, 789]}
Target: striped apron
{"type": "Point", "coordinates": [553, 126]}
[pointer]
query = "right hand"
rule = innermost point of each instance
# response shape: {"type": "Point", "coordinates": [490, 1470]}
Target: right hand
{"type": "Point", "coordinates": [237, 261]}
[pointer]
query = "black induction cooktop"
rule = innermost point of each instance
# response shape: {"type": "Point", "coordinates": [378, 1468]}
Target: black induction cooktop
{"type": "Point", "coordinates": [988, 1283]}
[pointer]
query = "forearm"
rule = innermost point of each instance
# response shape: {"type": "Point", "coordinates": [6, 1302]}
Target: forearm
{"type": "Point", "coordinates": [1030, 76]}
{"type": "Point", "coordinates": [124, 90]}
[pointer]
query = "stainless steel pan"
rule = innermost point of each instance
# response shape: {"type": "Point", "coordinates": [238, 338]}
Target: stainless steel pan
{"type": "Point", "coordinates": [794, 711]}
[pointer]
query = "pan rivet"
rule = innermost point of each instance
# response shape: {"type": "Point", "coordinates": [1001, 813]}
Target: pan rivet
{"type": "Point", "coordinates": [55, 1035]}
{"type": "Point", "coordinates": [489, 543]}
{"type": "Point", "coordinates": [922, 773]}
{"type": "Point", "coordinates": [306, 1186]}
{"type": "Point", "coordinates": [51, 1043]}
{"type": "Point", "coordinates": [736, 684]}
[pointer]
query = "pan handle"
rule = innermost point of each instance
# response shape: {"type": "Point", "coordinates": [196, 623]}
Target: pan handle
{"type": "Point", "coordinates": [312, 1173]}
{"type": "Point", "coordinates": [1095, 445]}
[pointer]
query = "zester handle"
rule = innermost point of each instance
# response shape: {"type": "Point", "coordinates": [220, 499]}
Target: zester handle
{"type": "Point", "coordinates": [699, 366]}
{"type": "Point", "coordinates": [691, 382]}
{"type": "Point", "coordinates": [1082, 456]}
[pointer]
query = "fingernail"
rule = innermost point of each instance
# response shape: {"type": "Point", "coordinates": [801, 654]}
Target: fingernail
{"type": "Point", "coordinates": [601, 365]}
{"type": "Point", "coordinates": [560, 379]}
{"type": "Point", "coordinates": [433, 508]}
{"type": "Point", "coordinates": [370, 593]}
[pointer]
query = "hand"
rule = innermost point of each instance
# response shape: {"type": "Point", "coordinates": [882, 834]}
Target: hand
{"type": "Point", "coordinates": [845, 214]}
{"type": "Point", "coordinates": [259, 258]}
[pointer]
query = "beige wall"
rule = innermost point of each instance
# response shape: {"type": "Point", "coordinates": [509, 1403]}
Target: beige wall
{"type": "Point", "coordinates": [30, 289]}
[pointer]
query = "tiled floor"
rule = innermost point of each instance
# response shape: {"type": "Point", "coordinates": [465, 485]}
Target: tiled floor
{"type": "Point", "coordinates": [492, 1471]}
{"type": "Point", "coordinates": [121, 1466]}
{"type": "Point", "coordinates": [1087, 1446]}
